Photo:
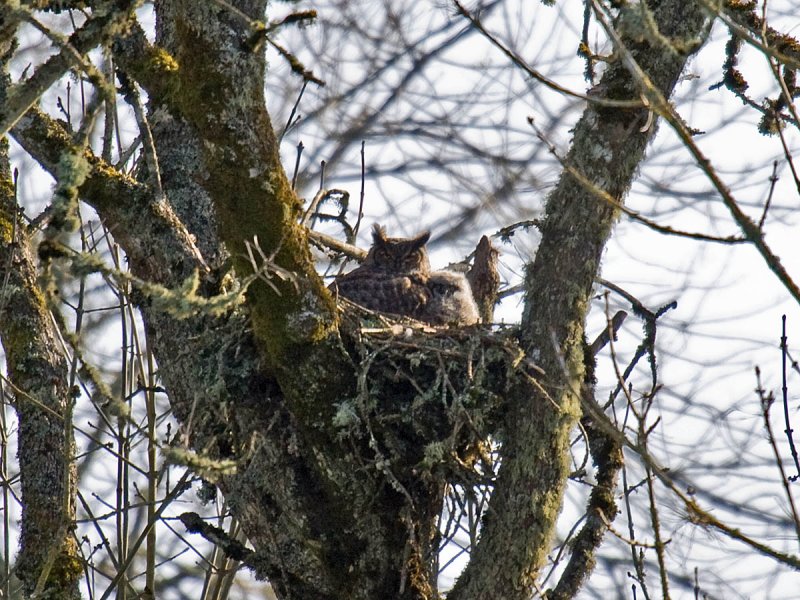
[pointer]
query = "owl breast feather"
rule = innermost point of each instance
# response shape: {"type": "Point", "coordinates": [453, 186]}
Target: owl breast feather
{"type": "Point", "coordinates": [438, 298]}
{"type": "Point", "coordinates": [405, 295]}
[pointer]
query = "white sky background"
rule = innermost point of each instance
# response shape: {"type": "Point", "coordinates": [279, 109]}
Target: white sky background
{"type": "Point", "coordinates": [729, 304]}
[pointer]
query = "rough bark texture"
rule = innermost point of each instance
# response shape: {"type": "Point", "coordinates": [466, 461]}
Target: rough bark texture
{"type": "Point", "coordinates": [48, 557]}
{"type": "Point", "coordinates": [608, 145]}
{"type": "Point", "coordinates": [42, 398]}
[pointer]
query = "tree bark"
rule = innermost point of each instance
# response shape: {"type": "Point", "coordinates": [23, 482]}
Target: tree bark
{"type": "Point", "coordinates": [48, 560]}
{"type": "Point", "coordinates": [608, 145]}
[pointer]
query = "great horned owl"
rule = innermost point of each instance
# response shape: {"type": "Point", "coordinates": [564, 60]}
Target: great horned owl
{"type": "Point", "coordinates": [396, 278]}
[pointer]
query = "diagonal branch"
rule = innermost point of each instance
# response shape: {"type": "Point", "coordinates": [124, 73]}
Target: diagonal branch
{"type": "Point", "coordinates": [146, 229]}
{"type": "Point", "coordinates": [660, 105]}
{"type": "Point", "coordinates": [102, 25]}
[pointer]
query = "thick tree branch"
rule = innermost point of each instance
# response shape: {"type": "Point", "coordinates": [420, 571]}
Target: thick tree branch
{"type": "Point", "coordinates": [299, 495]}
{"type": "Point", "coordinates": [43, 401]}
{"type": "Point", "coordinates": [151, 66]}
{"type": "Point", "coordinates": [48, 562]}
{"type": "Point", "coordinates": [38, 375]}
{"type": "Point", "coordinates": [147, 229]}
{"type": "Point", "coordinates": [294, 318]}
{"type": "Point", "coordinates": [608, 146]}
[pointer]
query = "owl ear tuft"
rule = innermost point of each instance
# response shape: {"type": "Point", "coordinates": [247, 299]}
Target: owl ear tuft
{"type": "Point", "coordinates": [378, 233]}
{"type": "Point", "coordinates": [422, 238]}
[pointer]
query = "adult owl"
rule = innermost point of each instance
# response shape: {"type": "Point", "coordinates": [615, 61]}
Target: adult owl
{"type": "Point", "coordinates": [396, 278]}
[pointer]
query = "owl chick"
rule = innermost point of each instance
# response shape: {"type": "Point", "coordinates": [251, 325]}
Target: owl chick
{"type": "Point", "coordinates": [396, 278]}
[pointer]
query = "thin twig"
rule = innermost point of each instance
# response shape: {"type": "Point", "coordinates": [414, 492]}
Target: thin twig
{"type": "Point", "coordinates": [785, 393]}
{"type": "Point", "coordinates": [609, 199]}
{"type": "Point", "coordinates": [660, 105]}
{"type": "Point", "coordinates": [766, 401]}
{"type": "Point", "coordinates": [695, 512]}
{"type": "Point", "coordinates": [23, 96]}
{"type": "Point", "coordinates": [300, 148]}
{"type": "Point", "coordinates": [181, 487]}
{"type": "Point", "coordinates": [636, 558]}
{"type": "Point", "coordinates": [787, 153]}
{"type": "Point", "coordinates": [520, 62]}
{"type": "Point", "coordinates": [772, 181]}
{"type": "Point", "coordinates": [294, 110]}
{"type": "Point", "coordinates": [151, 158]}
{"type": "Point", "coordinates": [361, 197]}
{"type": "Point", "coordinates": [747, 35]}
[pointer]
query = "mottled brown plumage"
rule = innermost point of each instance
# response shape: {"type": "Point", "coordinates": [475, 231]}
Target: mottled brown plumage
{"type": "Point", "coordinates": [396, 278]}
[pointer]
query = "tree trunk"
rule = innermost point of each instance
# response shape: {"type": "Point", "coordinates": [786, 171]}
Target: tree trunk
{"type": "Point", "coordinates": [608, 145]}
{"type": "Point", "coordinates": [48, 561]}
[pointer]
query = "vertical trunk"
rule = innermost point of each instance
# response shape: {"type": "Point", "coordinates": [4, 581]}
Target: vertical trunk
{"type": "Point", "coordinates": [608, 145]}
{"type": "Point", "coordinates": [325, 525]}
{"type": "Point", "coordinates": [42, 399]}
{"type": "Point", "coordinates": [48, 559]}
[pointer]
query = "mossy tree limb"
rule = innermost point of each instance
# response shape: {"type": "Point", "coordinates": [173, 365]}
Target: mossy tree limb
{"type": "Point", "coordinates": [42, 398]}
{"type": "Point", "coordinates": [293, 318]}
{"type": "Point", "coordinates": [608, 146]}
{"type": "Point", "coordinates": [157, 243]}
{"type": "Point", "coordinates": [229, 139]}
{"type": "Point", "coordinates": [48, 559]}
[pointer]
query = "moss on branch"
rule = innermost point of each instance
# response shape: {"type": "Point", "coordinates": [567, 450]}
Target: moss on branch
{"type": "Point", "coordinates": [294, 318]}
{"type": "Point", "coordinates": [608, 146]}
{"type": "Point", "coordinates": [157, 244]}
{"type": "Point", "coordinates": [39, 384]}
